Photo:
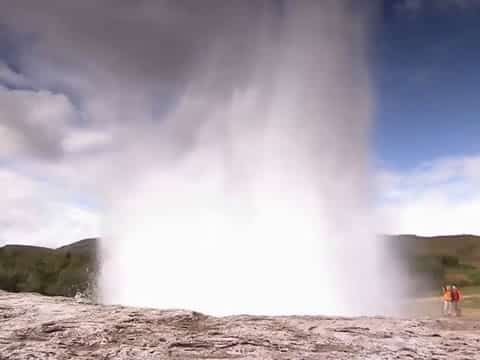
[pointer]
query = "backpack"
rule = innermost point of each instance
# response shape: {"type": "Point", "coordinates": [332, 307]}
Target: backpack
{"type": "Point", "coordinates": [455, 295]}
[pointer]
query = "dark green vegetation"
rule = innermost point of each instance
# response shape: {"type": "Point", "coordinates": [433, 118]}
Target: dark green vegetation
{"type": "Point", "coordinates": [432, 261]}
{"type": "Point", "coordinates": [442, 259]}
{"type": "Point", "coordinates": [63, 271]}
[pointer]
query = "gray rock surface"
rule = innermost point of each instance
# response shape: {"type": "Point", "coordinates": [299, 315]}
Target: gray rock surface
{"type": "Point", "coordinates": [37, 327]}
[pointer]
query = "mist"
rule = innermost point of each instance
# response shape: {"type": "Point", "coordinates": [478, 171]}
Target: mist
{"type": "Point", "coordinates": [254, 193]}
{"type": "Point", "coordinates": [238, 176]}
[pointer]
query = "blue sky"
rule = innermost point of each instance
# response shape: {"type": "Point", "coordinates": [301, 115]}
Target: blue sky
{"type": "Point", "coordinates": [426, 136]}
{"type": "Point", "coordinates": [426, 77]}
{"type": "Point", "coordinates": [427, 81]}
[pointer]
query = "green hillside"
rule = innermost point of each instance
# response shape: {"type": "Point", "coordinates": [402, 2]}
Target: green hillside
{"type": "Point", "coordinates": [62, 271]}
{"type": "Point", "coordinates": [442, 259]}
{"type": "Point", "coordinates": [433, 261]}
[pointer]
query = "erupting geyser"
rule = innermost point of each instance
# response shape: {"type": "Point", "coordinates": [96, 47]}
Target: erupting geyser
{"type": "Point", "coordinates": [251, 192]}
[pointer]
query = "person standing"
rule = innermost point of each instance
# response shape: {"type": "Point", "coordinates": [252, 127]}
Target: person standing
{"type": "Point", "coordinates": [447, 300]}
{"type": "Point", "coordinates": [456, 297]}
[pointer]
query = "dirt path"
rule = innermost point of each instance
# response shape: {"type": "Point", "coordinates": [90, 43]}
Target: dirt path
{"type": "Point", "coordinates": [439, 298]}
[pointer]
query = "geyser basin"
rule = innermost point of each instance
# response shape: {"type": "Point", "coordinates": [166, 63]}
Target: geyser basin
{"type": "Point", "coordinates": [252, 192]}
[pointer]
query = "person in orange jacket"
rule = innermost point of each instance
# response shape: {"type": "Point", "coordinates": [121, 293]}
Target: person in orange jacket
{"type": "Point", "coordinates": [456, 298]}
{"type": "Point", "coordinates": [447, 300]}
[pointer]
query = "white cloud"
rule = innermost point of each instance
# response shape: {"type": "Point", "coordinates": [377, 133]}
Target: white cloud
{"type": "Point", "coordinates": [80, 140]}
{"type": "Point", "coordinates": [34, 212]}
{"type": "Point", "coordinates": [11, 77]}
{"type": "Point", "coordinates": [440, 197]}
{"type": "Point", "coordinates": [40, 123]}
{"type": "Point", "coordinates": [51, 168]}
{"type": "Point", "coordinates": [33, 122]}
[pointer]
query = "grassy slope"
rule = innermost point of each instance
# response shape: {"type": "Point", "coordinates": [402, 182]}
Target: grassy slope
{"type": "Point", "coordinates": [443, 259]}
{"type": "Point", "coordinates": [62, 271]}
{"type": "Point", "coordinates": [465, 247]}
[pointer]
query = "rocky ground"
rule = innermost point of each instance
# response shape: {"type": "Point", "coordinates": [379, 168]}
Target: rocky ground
{"type": "Point", "coordinates": [36, 327]}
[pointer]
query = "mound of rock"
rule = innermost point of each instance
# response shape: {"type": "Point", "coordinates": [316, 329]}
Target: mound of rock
{"type": "Point", "coordinates": [37, 327]}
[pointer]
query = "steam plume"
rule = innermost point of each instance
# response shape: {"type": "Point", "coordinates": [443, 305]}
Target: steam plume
{"type": "Point", "coordinates": [240, 175]}
{"type": "Point", "coordinates": [253, 194]}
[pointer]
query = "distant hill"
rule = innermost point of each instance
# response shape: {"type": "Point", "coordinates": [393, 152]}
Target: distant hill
{"type": "Point", "coordinates": [85, 247]}
{"type": "Point", "coordinates": [63, 271]}
{"type": "Point", "coordinates": [441, 259]}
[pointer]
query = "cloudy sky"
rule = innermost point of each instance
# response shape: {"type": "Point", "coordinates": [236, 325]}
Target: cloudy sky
{"type": "Point", "coordinates": [59, 130]}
